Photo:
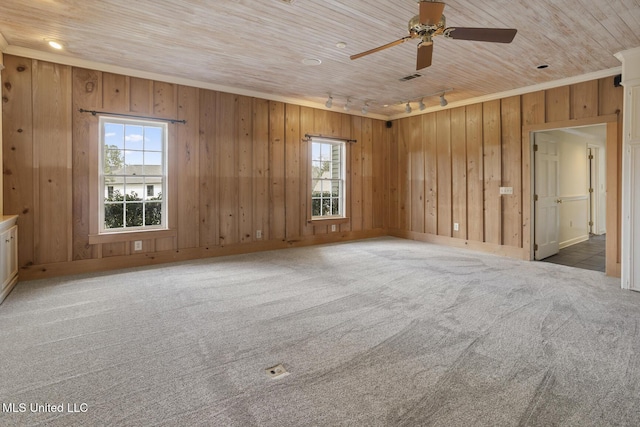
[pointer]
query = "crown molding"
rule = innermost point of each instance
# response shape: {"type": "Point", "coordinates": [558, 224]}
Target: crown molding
{"type": "Point", "coordinates": [520, 91]}
{"type": "Point", "coordinates": [3, 43]}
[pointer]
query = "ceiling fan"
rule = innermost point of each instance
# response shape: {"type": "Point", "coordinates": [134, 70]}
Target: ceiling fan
{"type": "Point", "coordinates": [431, 22]}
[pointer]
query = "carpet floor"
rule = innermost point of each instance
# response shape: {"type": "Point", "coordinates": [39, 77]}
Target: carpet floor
{"type": "Point", "coordinates": [378, 332]}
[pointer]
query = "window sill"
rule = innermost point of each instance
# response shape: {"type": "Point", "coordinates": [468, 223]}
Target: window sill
{"type": "Point", "coordinates": [329, 221]}
{"type": "Point", "coordinates": [128, 236]}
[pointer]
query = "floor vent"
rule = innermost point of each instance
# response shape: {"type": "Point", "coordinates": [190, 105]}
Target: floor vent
{"type": "Point", "coordinates": [277, 371]}
{"type": "Point", "coordinates": [410, 77]}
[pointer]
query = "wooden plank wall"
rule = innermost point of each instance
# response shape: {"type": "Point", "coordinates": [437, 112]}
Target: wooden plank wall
{"type": "Point", "coordinates": [238, 165]}
{"type": "Point", "coordinates": [449, 167]}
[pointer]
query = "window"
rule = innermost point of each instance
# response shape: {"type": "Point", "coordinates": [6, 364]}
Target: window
{"type": "Point", "coordinates": [132, 174]}
{"type": "Point", "coordinates": [327, 178]}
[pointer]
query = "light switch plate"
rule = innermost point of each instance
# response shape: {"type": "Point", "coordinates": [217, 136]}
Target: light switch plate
{"type": "Point", "coordinates": [506, 190]}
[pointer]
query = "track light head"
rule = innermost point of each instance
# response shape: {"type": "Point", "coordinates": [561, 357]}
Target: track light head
{"type": "Point", "coordinates": [443, 102]}
{"type": "Point", "coordinates": [347, 106]}
{"type": "Point", "coordinates": [365, 108]}
{"type": "Point", "coordinates": [407, 108]}
{"type": "Point", "coordinates": [329, 102]}
{"type": "Point", "coordinates": [421, 105]}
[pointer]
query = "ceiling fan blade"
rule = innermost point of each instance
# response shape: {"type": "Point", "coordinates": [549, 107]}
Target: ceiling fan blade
{"type": "Point", "coordinates": [379, 48]}
{"type": "Point", "coordinates": [425, 54]}
{"type": "Point", "coordinates": [431, 12]}
{"type": "Point", "coordinates": [496, 35]}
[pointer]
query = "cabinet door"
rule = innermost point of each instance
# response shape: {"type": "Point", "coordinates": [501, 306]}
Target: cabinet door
{"type": "Point", "coordinates": [5, 249]}
{"type": "Point", "coordinates": [12, 252]}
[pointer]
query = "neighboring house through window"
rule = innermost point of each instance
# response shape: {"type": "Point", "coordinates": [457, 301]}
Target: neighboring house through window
{"type": "Point", "coordinates": [133, 174]}
{"type": "Point", "coordinates": [327, 178]}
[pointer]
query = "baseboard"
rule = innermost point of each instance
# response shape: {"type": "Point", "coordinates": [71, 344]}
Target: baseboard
{"type": "Point", "coordinates": [44, 271]}
{"type": "Point", "coordinates": [573, 241]}
{"type": "Point", "coordinates": [491, 248]}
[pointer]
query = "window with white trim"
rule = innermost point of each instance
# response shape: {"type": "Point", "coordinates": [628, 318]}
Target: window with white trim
{"type": "Point", "coordinates": [132, 160]}
{"type": "Point", "coordinates": [327, 178]}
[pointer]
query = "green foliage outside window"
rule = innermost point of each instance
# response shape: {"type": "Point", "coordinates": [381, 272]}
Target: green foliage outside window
{"type": "Point", "coordinates": [115, 215]}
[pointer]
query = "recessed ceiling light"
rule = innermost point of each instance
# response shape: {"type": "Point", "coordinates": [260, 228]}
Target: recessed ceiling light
{"type": "Point", "coordinates": [55, 44]}
{"type": "Point", "coordinates": [341, 45]}
{"type": "Point", "coordinates": [311, 61]}
{"type": "Point", "coordinates": [542, 66]}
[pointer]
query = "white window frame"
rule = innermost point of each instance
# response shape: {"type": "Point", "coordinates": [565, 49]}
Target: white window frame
{"type": "Point", "coordinates": [103, 120]}
{"type": "Point", "coordinates": [343, 178]}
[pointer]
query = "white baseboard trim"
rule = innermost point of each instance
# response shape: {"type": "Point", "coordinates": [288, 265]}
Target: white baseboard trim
{"type": "Point", "coordinates": [573, 241]}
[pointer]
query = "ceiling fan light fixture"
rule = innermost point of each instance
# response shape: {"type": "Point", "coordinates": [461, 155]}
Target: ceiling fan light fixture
{"type": "Point", "coordinates": [443, 101]}
{"type": "Point", "coordinates": [407, 108]}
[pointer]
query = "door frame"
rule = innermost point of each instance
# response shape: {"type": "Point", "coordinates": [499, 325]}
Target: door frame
{"type": "Point", "coordinates": [613, 212]}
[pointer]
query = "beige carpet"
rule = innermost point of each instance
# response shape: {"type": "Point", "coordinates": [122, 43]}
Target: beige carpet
{"type": "Point", "coordinates": [373, 333]}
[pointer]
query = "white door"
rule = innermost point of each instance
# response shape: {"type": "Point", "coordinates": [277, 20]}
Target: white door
{"type": "Point", "coordinates": [547, 188]}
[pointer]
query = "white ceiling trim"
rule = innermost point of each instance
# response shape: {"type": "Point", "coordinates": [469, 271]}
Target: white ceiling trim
{"type": "Point", "coordinates": [520, 91]}
{"type": "Point", "coordinates": [75, 62]}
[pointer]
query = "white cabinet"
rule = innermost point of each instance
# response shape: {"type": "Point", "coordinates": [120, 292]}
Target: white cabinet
{"type": "Point", "coordinates": [8, 254]}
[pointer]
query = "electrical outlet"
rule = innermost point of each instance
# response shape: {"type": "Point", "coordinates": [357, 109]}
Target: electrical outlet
{"type": "Point", "coordinates": [333, 227]}
{"type": "Point", "coordinates": [456, 226]}
{"type": "Point", "coordinates": [258, 234]}
{"type": "Point", "coordinates": [137, 245]}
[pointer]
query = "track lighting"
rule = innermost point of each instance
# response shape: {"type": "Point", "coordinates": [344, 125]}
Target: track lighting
{"type": "Point", "coordinates": [347, 106]}
{"type": "Point", "coordinates": [407, 108]}
{"type": "Point", "coordinates": [365, 108]}
{"type": "Point", "coordinates": [443, 102]}
{"type": "Point", "coordinates": [421, 105]}
{"type": "Point", "coordinates": [329, 102]}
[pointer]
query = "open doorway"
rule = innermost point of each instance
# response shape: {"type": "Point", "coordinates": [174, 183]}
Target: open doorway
{"type": "Point", "coordinates": [570, 196]}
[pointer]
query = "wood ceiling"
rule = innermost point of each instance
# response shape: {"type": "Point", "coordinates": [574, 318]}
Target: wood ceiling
{"type": "Point", "coordinates": [259, 46]}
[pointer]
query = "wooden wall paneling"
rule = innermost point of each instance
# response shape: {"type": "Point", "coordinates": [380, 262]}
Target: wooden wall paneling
{"type": "Point", "coordinates": [379, 172]}
{"type": "Point", "coordinates": [430, 138]}
{"type": "Point", "coordinates": [293, 221]}
{"type": "Point", "coordinates": [415, 142]}
{"type": "Point", "coordinates": [227, 167]}
{"type": "Point", "coordinates": [356, 185]}
{"type": "Point", "coordinates": [114, 249]}
{"type": "Point", "coordinates": [115, 93]}
{"type": "Point", "coordinates": [245, 169]}
{"type": "Point", "coordinates": [475, 173]}
{"type": "Point", "coordinates": [459, 171]}
{"type": "Point", "coordinates": [443, 137]}
{"type": "Point", "coordinates": [558, 104]}
{"type": "Point", "coordinates": [492, 172]}
{"type": "Point", "coordinates": [306, 126]}
{"type": "Point", "coordinates": [165, 97]}
{"type": "Point", "coordinates": [164, 244]}
{"type": "Point", "coordinates": [52, 124]}
{"type": "Point", "coordinates": [610, 97]}
{"type": "Point", "coordinates": [148, 246]}
{"type": "Point", "coordinates": [187, 147]}
{"type": "Point", "coordinates": [367, 174]}
{"type": "Point", "coordinates": [584, 99]}
{"type": "Point", "coordinates": [404, 179]}
{"type": "Point", "coordinates": [511, 171]}
{"type": "Point", "coordinates": [208, 193]}
{"type": "Point", "coordinates": [394, 178]}
{"type": "Point", "coordinates": [87, 94]}
{"type": "Point", "coordinates": [533, 108]}
{"type": "Point", "coordinates": [261, 169]}
{"type": "Point", "coordinates": [141, 101]}
{"type": "Point", "coordinates": [17, 151]}
{"type": "Point", "coordinates": [346, 130]}
{"type": "Point", "coordinates": [277, 192]}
